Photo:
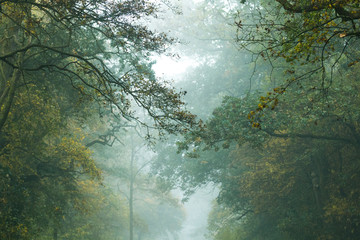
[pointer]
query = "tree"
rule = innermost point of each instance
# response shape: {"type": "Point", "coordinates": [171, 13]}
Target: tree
{"type": "Point", "coordinates": [42, 161]}
{"type": "Point", "coordinates": [151, 212]}
{"type": "Point", "coordinates": [63, 66]}
{"type": "Point", "coordinates": [61, 63]}
{"type": "Point", "coordinates": [287, 172]}
{"type": "Point", "coordinates": [309, 40]}
{"type": "Point", "coordinates": [97, 47]}
{"type": "Point", "coordinates": [280, 152]}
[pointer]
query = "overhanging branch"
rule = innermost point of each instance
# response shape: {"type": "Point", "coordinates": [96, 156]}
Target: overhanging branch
{"type": "Point", "coordinates": [311, 136]}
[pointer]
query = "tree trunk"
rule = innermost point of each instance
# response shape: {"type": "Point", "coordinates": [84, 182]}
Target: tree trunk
{"type": "Point", "coordinates": [131, 197]}
{"type": "Point", "coordinates": [55, 233]}
{"type": "Point", "coordinates": [11, 40]}
{"type": "Point", "coordinates": [7, 97]}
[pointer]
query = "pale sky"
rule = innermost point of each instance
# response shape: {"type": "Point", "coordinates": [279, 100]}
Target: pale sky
{"type": "Point", "coordinates": [169, 67]}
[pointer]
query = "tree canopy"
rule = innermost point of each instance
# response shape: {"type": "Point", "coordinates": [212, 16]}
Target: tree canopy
{"type": "Point", "coordinates": [275, 82]}
{"type": "Point", "coordinates": [72, 75]}
{"type": "Point", "coordinates": [99, 47]}
{"type": "Point", "coordinates": [283, 153]}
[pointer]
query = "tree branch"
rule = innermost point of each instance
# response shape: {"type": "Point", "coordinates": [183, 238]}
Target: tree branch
{"type": "Point", "coordinates": [312, 136]}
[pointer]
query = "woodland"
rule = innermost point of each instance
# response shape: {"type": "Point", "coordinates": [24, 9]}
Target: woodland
{"type": "Point", "coordinates": [94, 143]}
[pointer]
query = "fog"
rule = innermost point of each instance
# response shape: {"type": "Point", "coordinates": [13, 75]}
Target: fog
{"type": "Point", "coordinates": [179, 120]}
{"type": "Point", "coordinates": [197, 209]}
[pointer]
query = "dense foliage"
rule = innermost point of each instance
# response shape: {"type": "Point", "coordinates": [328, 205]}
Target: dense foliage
{"type": "Point", "coordinates": [284, 154]}
{"type": "Point", "coordinates": [275, 83]}
{"type": "Point", "coordinates": [71, 73]}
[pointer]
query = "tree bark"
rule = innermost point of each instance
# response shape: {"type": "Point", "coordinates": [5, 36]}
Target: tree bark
{"type": "Point", "coordinates": [9, 95]}
{"type": "Point", "coordinates": [10, 67]}
{"type": "Point", "coordinates": [55, 234]}
{"type": "Point", "coordinates": [131, 197]}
